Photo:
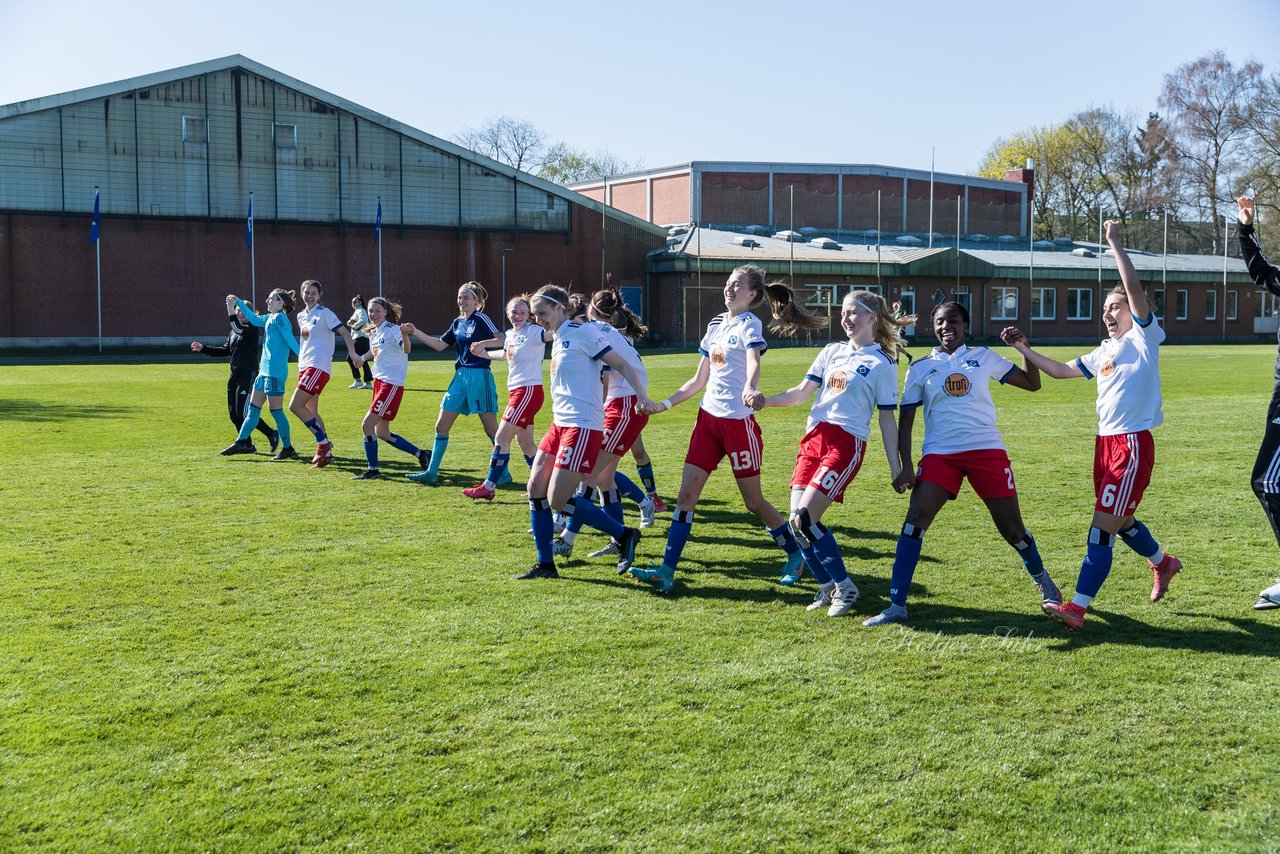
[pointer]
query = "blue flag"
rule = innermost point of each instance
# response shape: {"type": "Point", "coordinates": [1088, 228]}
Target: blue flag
{"type": "Point", "coordinates": [248, 226]}
{"type": "Point", "coordinates": [377, 224]}
{"type": "Point", "coordinates": [93, 228]}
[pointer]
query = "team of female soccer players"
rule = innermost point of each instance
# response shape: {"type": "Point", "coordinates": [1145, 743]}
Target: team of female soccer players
{"type": "Point", "coordinates": [600, 405]}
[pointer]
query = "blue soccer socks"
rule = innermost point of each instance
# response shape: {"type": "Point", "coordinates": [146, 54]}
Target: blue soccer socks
{"type": "Point", "coordinates": [1096, 566]}
{"type": "Point", "coordinates": [905, 558]}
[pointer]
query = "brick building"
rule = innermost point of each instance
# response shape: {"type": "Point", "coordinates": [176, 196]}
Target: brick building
{"type": "Point", "coordinates": [176, 156]}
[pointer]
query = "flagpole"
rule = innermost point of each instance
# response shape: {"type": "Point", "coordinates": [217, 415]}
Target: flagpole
{"type": "Point", "coordinates": [97, 254]}
{"type": "Point", "coordinates": [253, 269]}
{"type": "Point", "coordinates": [932, 152]}
{"type": "Point", "coordinates": [377, 236]}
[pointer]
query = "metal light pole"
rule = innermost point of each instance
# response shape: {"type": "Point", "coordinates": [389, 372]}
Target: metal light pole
{"type": "Point", "coordinates": [504, 253]}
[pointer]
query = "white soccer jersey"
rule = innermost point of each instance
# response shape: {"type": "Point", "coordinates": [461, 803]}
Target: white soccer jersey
{"type": "Point", "coordinates": [854, 382]}
{"type": "Point", "coordinates": [576, 400]}
{"type": "Point", "coordinates": [1128, 374]}
{"type": "Point", "coordinates": [391, 364]}
{"type": "Point", "coordinates": [524, 348]}
{"type": "Point", "coordinates": [617, 383]}
{"type": "Point", "coordinates": [959, 414]}
{"type": "Point", "coordinates": [726, 344]}
{"type": "Point", "coordinates": [315, 333]}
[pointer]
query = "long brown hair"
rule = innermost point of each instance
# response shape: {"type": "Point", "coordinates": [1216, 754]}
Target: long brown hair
{"type": "Point", "coordinates": [789, 317]}
{"type": "Point", "coordinates": [289, 298]}
{"type": "Point", "coordinates": [392, 309]}
{"type": "Point", "coordinates": [609, 305]}
{"type": "Point", "coordinates": [890, 322]}
{"type": "Point", "coordinates": [478, 291]}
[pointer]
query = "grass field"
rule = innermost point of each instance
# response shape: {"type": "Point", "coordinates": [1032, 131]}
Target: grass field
{"type": "Point", "coordinates": [199, 652]}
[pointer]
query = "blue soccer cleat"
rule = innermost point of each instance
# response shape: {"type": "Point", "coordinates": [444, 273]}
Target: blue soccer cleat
{"type": "Point", "coordinates": [662, 577]}
{"type": "Point", "coordinates": [793, 569]}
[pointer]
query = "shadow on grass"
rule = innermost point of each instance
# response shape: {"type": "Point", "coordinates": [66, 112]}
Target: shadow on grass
{"type": "Point", "coordinates": [1251, 636]}
{"type": "Point", "coordinates": [38, 411]}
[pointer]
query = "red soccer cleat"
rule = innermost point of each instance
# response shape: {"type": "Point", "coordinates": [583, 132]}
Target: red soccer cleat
{"type": "Point", "coordinates": [658, 505]}
{"type": "Point", "coordinates": [1164, 572]}
{"type": "Point", "coordinates": [478, 491]}
{"type": "Point", "coordinates": [324, 455]}
{"type": "Point", "coordinates": [1071, 614]}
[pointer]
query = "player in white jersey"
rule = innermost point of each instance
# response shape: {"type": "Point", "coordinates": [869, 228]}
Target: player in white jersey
{"type": "Point", "coordinates": [729, 370]}
{"type": "Point", "coordinates": [854, 379]}
{"type": "Point", "coordinates": [390, 347]}
{"type": "Point", "coordinates": [569, 449]}
{"type": "Point", "coordinates": [1127, 369]}
{"type": "Point", "coordinates": [953, 385]}
{"type": "Point", "coordinates": [522, 346]}
{"type": "Point", "coordinates": [622, 423]}
{"type": "Point", "coordinates": [316, 328]}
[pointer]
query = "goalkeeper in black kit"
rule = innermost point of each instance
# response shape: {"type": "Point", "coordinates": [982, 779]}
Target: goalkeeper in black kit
{"type": "Point", "coordinates": [244, 344]}
{"type": "Point", "coordinates": [1266, 469]}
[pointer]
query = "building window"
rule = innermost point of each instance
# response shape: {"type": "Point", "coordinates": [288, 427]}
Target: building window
{"type": "Point", "coordinates": [1044, 303]}
{"type": "Point", "coordinates": [964, 298]}
{"type": "Point", "coordinates": [1004, 303]}
{"type": "Point", "coordinates": [284, 136]}
{"type": "Point", "coordinates": [1233, 304]}
{"type": "Point", "coordinates": [1080, 304]}
{"type": "Point", "coordinates": [1182, 305]}
{"type": "Point", "coordinates": [907, 297]}
{"type": "Point", "coordinates": [1157, 303]}
{"type": "Point", "coordinates": [194, 130]}
{"type": "Point", "coordinates": [875, 289]}
{"type": "Point", "coordinates": [1211, 305]}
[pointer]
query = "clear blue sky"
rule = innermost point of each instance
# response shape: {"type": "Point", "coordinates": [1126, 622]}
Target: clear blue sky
{"type": "Point", "coordinates": [668, 82]}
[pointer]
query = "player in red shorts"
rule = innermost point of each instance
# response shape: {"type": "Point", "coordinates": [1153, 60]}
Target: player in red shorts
{"type": "Point", "coordinates": [522, 346]}
{"type": "Point", "coordinates": [1127, 368]}
{"type": "Point", "coordinates": [569, 449]}
{"type": "Point", "coordinates": [961, 441]}
{"type": "Point", "coordinates": [316, 328]}
{"type": "Point", "coordinates": [390, 348]}
{"type": "Point", "coordinates": [853, 378]}
{"type": "Point", "coordinates": [726, 426]}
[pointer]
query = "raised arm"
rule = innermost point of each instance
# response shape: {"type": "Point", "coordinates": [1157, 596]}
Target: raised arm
{"type": "Point", "coordinates": [249, 314]}
{"type": "Point", "coordinates": [1264, 274]}
{"type": "Point", "coordinates": [1133, 291]}
{"type": "Point", "coordinates": [1030, 358]}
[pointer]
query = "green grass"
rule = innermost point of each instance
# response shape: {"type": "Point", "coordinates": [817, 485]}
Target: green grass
{"type": "Point", "coordinates": [199, 652]}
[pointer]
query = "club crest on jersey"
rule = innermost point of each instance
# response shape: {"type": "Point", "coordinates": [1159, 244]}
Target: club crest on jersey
{"type": "Point", "coordinates": [971, 363]}
{"type": "Point", "coordinates": [564, 343]}
{"type": "Point", "coordinates": [956, 385]}
{"type": "Point", "coordinates": [1108, 368]}
{"type": "Point", "coordinates": [863, 370]}
{"type": "Point", "coordinates": [733, 341]}
{"type": "Point", "coordinates": [838, 382]}
{"type": "Point", "coordinates": [717, 356]}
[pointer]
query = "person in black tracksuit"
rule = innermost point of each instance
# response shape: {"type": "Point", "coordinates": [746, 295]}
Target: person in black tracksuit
{"type": "Point", "coordinates": [1266, 469]}
{"type": "Point", "coordinates": [243, 346]}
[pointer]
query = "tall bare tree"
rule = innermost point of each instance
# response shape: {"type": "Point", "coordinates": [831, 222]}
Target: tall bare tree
{"type": "Point", "coordinates": [508, 140]}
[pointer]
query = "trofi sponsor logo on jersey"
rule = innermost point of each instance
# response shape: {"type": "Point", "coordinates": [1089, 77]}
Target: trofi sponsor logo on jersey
{"type": "Point", "coordinates": [838, 381]}
{"type": "Point", "coordinates": [956, 385]}
{"type": "Point", "coordinates": [306, 332]}
{"type": "Point", "coordinates": [717, 356]}
{"type": "Point", "coordinates": [1108, 368]}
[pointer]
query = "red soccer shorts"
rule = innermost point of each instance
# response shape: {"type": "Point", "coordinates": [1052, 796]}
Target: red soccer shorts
{"type": "Point", "coordinates": [1122, 471]}
{"type": "Point", "coordinates": [988, 472]}
{"type": "Point", "coordinates": [622, 425]}
{"type": "Point", "coordinates": [716, 438]}
{"type": "Point", "coordinates": [572, 448]}
{"type": "Point", "coordinates": [828, 460]}
{"type": "Point", "coordinates": [312, 380]}
{"type": "Point", "coordinates": [386, 399]}
{"type": "Point", "coordinates": [523, 404]}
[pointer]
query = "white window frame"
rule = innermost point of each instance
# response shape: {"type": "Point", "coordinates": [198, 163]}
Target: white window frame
{"type": "Point", "coordinates": [1073, 304]}
{"type": "Point", "coordinates": [1000, 295]}
{"type": "Point", "coordinates": [284, 135]}
{"type": "Point", "coordinates": [1181, 304]}
{"type": "Point", "coordinates": [1211, 304]}
{"type": "Point", "coordinates": [1233, 305]}
{"type": "Point", "coordinates": [1053, 298]}
{"type": "Point", "coordinates": [189, 127]}
{"type": "Point", "coordinates": [964, 298]}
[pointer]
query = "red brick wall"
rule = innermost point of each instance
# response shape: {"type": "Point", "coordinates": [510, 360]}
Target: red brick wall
{"type": "Point", "coordinates": [859, 210]}
{"type": "Point", "coordinates": [169, 278]}
{"type": "Point", "coordinates": [735, 197]}
{"type": "Point", "coordinates": [671, 199]}
{"type": "Point", "coordinates": [631, 197]}
{"type": "Point", "coordinates": [597, 194]}
{"type": "Point", "coordinates": [815, 200]}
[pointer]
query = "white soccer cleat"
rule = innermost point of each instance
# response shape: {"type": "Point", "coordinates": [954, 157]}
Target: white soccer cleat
{"type": "Point", "coordinates": [892, 614]}
{"type": "Point", "coordinates": [1269, 598]}
{"type": "Point", "coordinates": [607, 551]}
{"type": "Point", "coordinates": [560, 548]}
{"type": "Point", "coordinates": [842, 599]}
{"type": "Point", "coordinates": [647, 510]}
{"type": "Point", "coordinates": [822, 598]}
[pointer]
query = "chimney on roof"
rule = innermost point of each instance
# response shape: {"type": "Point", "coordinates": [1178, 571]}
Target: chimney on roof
{"type": "Point", "coordinates": [1025, 176]}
